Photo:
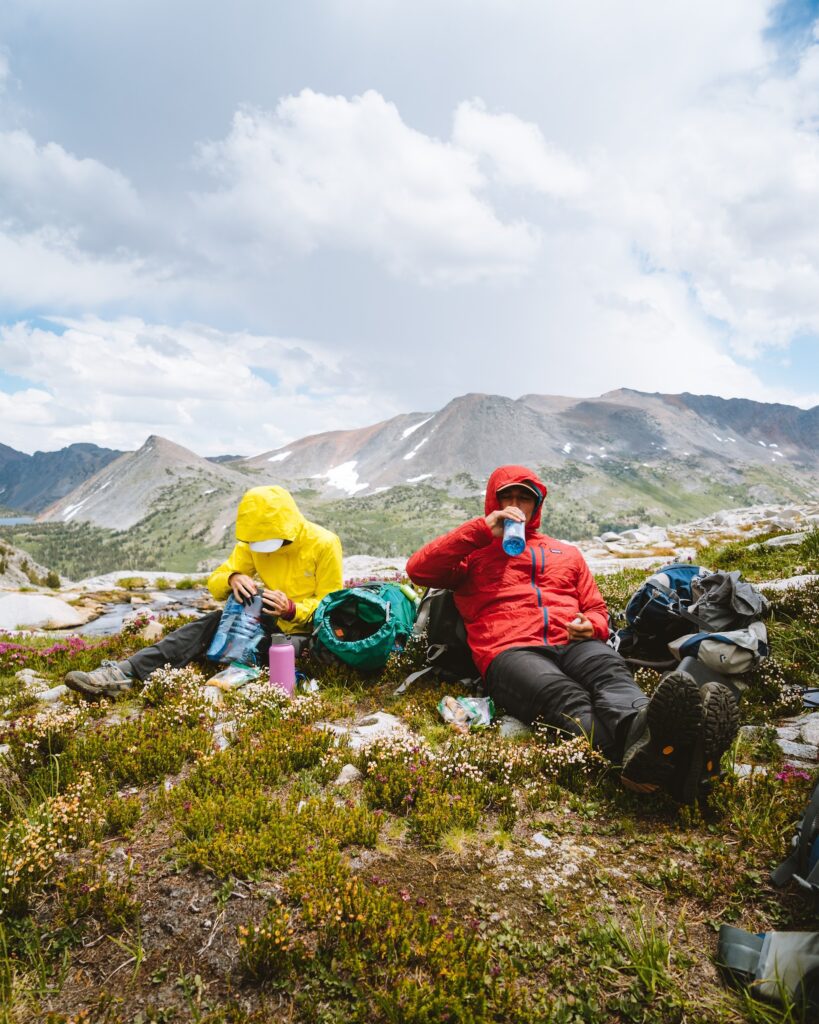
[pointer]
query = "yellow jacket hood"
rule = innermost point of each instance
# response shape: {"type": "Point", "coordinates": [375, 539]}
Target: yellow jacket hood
{"type": "Point", "coordinates": [268, 512]}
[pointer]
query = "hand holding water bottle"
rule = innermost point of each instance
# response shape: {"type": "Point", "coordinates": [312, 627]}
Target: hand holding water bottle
{"type": "Point", "coordinates": [509, 523]}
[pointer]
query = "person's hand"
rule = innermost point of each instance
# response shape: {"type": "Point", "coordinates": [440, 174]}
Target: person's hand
{"type": "Point", "coordinates": [495, 519]}
{"type": "Point", "coordinates": [275, 602]}
{"type": "Point", "coordinates": [580, 628]}
{"type": "Point", "coordinates": [243, 587]}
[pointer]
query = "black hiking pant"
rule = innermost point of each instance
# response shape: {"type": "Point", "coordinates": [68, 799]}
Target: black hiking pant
{"type": "Point", "coordinates": [191, 641]}
{"type": "Point", "coordinates": [584, 687]}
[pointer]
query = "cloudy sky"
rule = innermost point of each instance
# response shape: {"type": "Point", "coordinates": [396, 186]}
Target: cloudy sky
{"type": "Point", "coordinates": [234, 224]}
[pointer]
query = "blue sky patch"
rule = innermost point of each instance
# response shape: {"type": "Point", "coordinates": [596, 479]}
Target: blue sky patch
{"type": "Point", "coordinates": [9, 383]}
{"type": "Point", "coordinates": [796, 367]}
{"type": "Point", "coordinates": [268, 376]}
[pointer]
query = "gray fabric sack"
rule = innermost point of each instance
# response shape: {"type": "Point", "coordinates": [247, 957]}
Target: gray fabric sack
{"type": "Point", "coordinates": [723, 600]}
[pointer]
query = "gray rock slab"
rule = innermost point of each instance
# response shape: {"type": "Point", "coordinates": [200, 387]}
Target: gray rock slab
{"type": "Point", "coordinates": [802, 751]}
{"type": "Point", "coordinates": [39, 610]}
{"type": "Point", "coordinates": [52, 695]}
{"type": "Point", "coordinates": [750, 732]}
{"type": "Point", "coordinates": [786, 540]}
{"type": "Point", "coordinates": [357, 567]}
{"type": "Point", "coordinates": [110, 581]}
{"type": "Point", "coordinates": [368, 729]}
{"type": "Point", "coordinates": [810, 729]}
{"type": "Point", "coordinates": [792, 583]}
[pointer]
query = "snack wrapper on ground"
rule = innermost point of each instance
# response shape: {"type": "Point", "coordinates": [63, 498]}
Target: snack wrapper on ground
{"type": "Point", "coordinates": [465, 713]}
{"type": "Point", "coordinates": [234, 676]}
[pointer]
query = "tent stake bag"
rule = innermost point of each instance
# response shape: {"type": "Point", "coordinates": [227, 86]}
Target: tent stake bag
{"type": "Point", "coordinates": [362, 626]}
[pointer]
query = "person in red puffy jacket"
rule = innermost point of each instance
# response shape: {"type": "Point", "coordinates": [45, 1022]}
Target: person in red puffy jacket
{"type": "Point", "coordinates": [537, 626]}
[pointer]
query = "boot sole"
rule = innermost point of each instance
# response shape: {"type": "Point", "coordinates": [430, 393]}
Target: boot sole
{"type": "Point", "coordinates": [720, 730]}
{"type": "Point", "coordinates": [674, 719]}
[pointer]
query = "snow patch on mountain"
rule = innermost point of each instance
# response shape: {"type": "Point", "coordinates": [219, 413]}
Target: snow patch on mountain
{"type": "Point", "coordinates": [416, 449]}
{"type": "Point", "coordinates": [343, 477]}
{"type": "Point", "coordinates": [411, 430]}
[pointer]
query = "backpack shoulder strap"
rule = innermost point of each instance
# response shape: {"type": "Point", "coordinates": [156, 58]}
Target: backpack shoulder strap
{"type": "Point", "coordinates": [802, 842]}
{"type": "Point", "coordinates": [682, 612]}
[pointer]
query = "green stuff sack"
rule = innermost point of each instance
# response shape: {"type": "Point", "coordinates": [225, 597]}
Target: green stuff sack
{"type": "Point", "coordinates": [362, 626]}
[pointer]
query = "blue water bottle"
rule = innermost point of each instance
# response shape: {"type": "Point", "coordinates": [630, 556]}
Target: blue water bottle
{"type": "Point", "coordinates": [514, 537]}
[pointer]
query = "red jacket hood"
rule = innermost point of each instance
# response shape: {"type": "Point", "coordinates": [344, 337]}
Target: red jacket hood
{"type": "Point", "coordinates": [505, 476]}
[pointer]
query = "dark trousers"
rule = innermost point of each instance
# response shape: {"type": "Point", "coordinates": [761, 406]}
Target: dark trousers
{"type": "Point", "coordinates": [191, 641]}
{"type": "Point", "coordinates": [584, 687]}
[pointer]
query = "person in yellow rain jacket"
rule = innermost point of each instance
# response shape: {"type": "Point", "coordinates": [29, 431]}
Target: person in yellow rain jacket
{"type": "Point", "coordinates": [292, 562]}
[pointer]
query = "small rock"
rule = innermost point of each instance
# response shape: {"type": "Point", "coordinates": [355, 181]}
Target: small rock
{"type": "Point", "coordinates": [541, 840]}
{"type": "Point", "coordinates": [28, 677]}
{"type": "Point", "coordinates": [798, 750]}
{"type": "Point", "coordinates": [54, 694]}
{"type": "Point", "coordinates": [348, 774]}
{"type": "Point", "coordinates": [509, 726]}
{"type": "Point", "coordinates": [810, 729]}
{"type": "Point", "coordinates": [222, 732]}
{"type": "Point", "coordinates": [214, 695]}
{"type": "Point", "coordinates": [153, 630]}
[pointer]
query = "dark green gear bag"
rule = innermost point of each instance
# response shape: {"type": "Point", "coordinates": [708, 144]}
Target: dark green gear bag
{"type": "Point", "coordinates": [363, 625]}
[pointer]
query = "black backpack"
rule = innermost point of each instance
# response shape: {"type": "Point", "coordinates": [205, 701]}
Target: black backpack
{"type": "Point", "coordinates": [682, 599]}
{"type": "Point", "coordinates": [802, 864]}
{"type": "Point", "coordinates": [657, 613]}
{"type": "Point", "coordinates": [448, 655]}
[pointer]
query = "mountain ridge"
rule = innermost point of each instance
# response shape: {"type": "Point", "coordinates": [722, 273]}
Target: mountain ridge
{"type": "Point", "coordinates": [619, 460]}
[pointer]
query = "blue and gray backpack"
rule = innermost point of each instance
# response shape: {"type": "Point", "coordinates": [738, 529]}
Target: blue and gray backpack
{"type": "Point", "coordinates": [657, 613]}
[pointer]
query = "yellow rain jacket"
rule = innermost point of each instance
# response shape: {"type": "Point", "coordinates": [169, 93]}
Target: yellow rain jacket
{"type": "Point", "coordinates": [306, 569]}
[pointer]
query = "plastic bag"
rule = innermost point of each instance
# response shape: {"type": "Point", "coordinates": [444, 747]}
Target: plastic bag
{"type": "Point", "coordinates": [465, 713]}
{"type": "Point", "coordinates": [234, 676]}
{"type": "Point", "coordinates": [239, 632]}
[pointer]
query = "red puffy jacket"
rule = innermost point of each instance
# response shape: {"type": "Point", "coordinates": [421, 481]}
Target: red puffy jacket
{"type": "Point", "coordinates": [521, 601]}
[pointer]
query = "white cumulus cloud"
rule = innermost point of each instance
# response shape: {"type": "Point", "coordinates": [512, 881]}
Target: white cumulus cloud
{"type": "Point", "coordinates": [350, 174]}
{"type": "Point", "coordinates": [520, 155]}
{"type": "Point", "coordinates": [116, 381]}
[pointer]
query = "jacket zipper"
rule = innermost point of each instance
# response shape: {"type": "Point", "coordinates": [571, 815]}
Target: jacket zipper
{"type": "Point", "coordinates": [537, 589]}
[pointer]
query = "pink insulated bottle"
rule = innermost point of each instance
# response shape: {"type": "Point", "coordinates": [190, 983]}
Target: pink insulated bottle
{"type": "Point", "coordinates": [283, 666]}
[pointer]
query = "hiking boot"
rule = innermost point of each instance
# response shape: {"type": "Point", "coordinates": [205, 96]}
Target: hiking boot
{"type": "Point", "coordinates": [721, 727]}
{"type": "Point", "coordinates": [109, 680]}
{"type": "Point", "coordinates": [663, 738]}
